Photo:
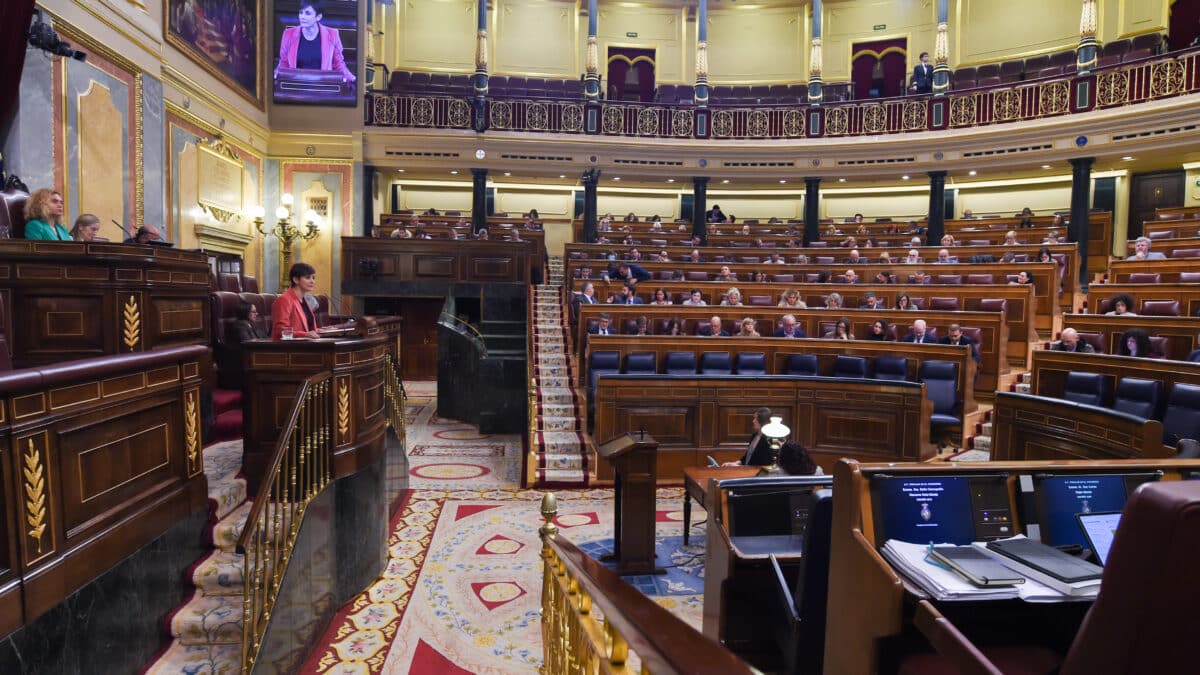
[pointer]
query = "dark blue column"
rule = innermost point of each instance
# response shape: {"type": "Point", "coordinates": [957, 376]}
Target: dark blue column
{"type": "Point", "coordinates": [812, 210]}
{"type": "Point", "coordinates": [937, 208]}
{"type": "Point", "coordinates": [700, 208]}
{"type": "Point", "coordinates": [591, 178]}
{"type": "Point", "coordinates": [479, 200]}
{"type": "Point", "coordinates": [1081, 206]}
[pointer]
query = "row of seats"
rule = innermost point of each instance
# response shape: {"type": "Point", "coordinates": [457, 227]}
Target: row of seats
{"type": "Point", "coordinates": [1054, 65]}
{"type": "Point", "coordinates": [1173, 234]}
{"type": "Point", "coordinates": [445, 84]}
{"type": "Point", "coordinates": [816, 277]}
{"type": "Point", "coordinates": [937, 304]}
{"type": "Point", "coordinates": [1141, 398]}
{"type": "Point", "coordinates": [940, 377]}
{"type": "Point", "coordinates": [1156, 278]}
{"type": "Point", "coordinates": [1148, 307]}
{"type": "Point", "coordinates": [765, 327]}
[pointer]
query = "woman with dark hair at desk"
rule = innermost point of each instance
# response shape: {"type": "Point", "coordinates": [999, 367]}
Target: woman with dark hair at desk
{"type": "Point", "coordinates": [311, 46]}
{"type": "Point", "coordinates": [758, 451]}
{"type": "Point", "coordinates": [43, 216]}
{"type": "Point", "coordinates": [246, 327]}
{"type": "Point", "coordinates": [1134, 342]}
{"type": "Point", "coordinates": [290, 314]}
{"type": "Point", "coordinates": [795, 460]}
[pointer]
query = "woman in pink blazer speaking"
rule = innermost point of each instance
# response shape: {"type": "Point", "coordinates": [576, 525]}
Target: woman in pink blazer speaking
{"type": "Point", "coordinates": [311, 46]}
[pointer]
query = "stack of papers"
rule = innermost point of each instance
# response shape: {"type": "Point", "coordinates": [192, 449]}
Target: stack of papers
{"type": "Point", "coordinates": [942, 584]}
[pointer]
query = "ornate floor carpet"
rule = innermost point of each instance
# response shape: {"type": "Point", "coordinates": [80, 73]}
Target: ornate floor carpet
{"type": "Point", "coordinates": [461, 591]}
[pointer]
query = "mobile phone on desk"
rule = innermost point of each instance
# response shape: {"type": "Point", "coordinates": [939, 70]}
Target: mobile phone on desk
{"type": "Point", "coordinates": [711, 461]}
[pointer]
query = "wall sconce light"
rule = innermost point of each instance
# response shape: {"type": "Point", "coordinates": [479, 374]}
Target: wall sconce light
{"type": "Point", "coordinates": [285, 231]}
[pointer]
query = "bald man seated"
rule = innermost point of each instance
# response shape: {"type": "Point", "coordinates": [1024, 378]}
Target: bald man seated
{"type": "Point", "coordinates": [1068, 341]}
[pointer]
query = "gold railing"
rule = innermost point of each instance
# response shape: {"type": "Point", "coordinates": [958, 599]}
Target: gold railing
{"type": "Point", "coordinates": [394, 397]}
{"type": "Point", "coordinates": [574, 641]}
{"type": "Point", "coordinates": [531, 395]}
{"type": "Point", "coordinates": [299, 470]}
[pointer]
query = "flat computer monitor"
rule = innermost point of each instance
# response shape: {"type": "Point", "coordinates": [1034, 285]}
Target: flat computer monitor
{"type": "Point", "coordinates": [1060, 497]}
{"type": "Point", "coordinates": [941, 509]}
{"type": "Point", "coordinates": [771, 506]}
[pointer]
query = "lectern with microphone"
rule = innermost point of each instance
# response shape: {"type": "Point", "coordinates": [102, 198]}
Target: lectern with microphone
{"type": "Point", "coordinates": [634, 457]}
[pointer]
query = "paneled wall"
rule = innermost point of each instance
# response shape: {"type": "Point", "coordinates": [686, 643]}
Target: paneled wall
{"type": "Point", "coordinates": [537, 37]}
{"type": "Point", "coordinates": [845, 23]}
{"type": "Point", "coordinates": [763, 45]}
{"type": "Point", "coordinates": [982, 37]}
{"type": "Point", "coordinates": [663, 29]}
{"type": "Point", "coordinates": [327, 188]}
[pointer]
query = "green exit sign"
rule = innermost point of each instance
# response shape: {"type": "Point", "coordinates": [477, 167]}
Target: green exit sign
{"type": "Point", "coordinates": [631, 35]}
{"type": "Point", "coordinates": [880, 26]}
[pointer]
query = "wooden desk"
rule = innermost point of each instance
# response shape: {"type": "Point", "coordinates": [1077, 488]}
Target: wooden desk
{"type": "Point", "coordinates": [1168, 269]}
{"type": "Point", "coordinates": [384, 261]}
{"type": "Point", "coordinates": [1179, 229]}
{"type": "Point", "coordinates": [1049, 370]}
{"type": "Point", "coordinates": [1039, 427]}
{"type": "Point", "coordinates": [1188, 238]}
{"type": "Point", "coordinates": [695, 486]}
{"type": "Point", "coordinates": [70, 300]}
{"type": "Point", "coordinates": [274, 370]}
{"type": "Point", "coordinates": [1181, 331]}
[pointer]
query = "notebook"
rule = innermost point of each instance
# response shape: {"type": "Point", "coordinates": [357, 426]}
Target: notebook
{"type": "Point", "coordinates": [1098, 529]}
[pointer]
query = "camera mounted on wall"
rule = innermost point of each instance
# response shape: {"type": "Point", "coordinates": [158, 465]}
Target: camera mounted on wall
{"type": "Point", "coordinates": [43, 36]}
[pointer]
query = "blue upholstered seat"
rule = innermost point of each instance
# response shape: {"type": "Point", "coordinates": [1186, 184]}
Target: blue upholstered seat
{"type": "Point", "coordinates": [751, 363]}
{"type": "Point", "coordinates": [602, 363]}
{"type": "Point", "coordinates": [941, 387]}
{"type": "Point", "coordinates": [1087, 388]}
{"type": "Point", "coordinates": [800, 364]}
{"type": "Point", "coordinates": [850, 366]}
{"type": "Point", "coordinates": [1139, 397]}
{"type": "Point", "coordinates": [640, 363]}
{"type": "Point", "coordinates": [680, 364]}
{"type": "Point", "coordinates": [715, 363]}
{"type": "Point", "coordinates": [1181, 419]}
{"type": "Point", "coordinates": [891, 368]}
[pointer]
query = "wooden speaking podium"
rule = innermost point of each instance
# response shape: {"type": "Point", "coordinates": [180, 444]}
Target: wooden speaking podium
{"type": "Point", "coordinates": [634, 458]}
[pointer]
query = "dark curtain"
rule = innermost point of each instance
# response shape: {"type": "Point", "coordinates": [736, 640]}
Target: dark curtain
{"type": "Point", "coordinates": [623, 59]}
{"type": "Point", "coordinates": [1183, 29]}
{"type": "Point", "coordinates": [892, 55]}
{"type": "Point", "coordinates": [15, 16]}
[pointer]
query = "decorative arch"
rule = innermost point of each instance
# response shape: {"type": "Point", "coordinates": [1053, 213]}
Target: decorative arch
{"type": "Point", "coordinates": [879, 65]}
{"type": "Point", "coordinates": [627, 66]}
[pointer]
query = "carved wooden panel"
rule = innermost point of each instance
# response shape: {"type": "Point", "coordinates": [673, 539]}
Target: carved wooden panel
{"type": "Point", "coordinates": [174, 320]}
{"type": "Point", "coordinates": [492, 268]}
{"type": "Point", "coordinates": [37, 520]}
{"type": "Point", "coordinates": [59, 327]}
{"type": "Point", "coordinates": [433, 266]}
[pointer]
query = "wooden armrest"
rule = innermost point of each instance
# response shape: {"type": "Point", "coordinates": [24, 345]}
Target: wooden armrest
{"type": "Point", "coordinates": [950, 643]}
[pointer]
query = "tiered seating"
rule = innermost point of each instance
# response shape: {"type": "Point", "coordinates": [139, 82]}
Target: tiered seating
{"type": "Point", "coordinates": [460, 84]}
{"type": "Point", "coordinates": [1054, 65]}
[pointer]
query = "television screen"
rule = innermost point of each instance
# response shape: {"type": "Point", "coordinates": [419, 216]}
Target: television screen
{"type": "Point", "coordinates": [315, 60]}
{"type": "Point", "coordinates": [923, 509]}
{"type": "Point", "coordinates": [1061, 498]}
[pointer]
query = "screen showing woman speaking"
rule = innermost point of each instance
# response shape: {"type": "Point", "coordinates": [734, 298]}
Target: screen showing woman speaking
{"type": "Point", "coordinates": [316, 52]}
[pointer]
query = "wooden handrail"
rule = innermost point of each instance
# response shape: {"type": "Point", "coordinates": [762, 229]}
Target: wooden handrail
{"type": "Point", "coordinates": [572, 638]}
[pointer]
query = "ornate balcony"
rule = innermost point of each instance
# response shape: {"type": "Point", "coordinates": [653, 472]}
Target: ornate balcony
{"type": "Point", "coordinates": [1159, 77]}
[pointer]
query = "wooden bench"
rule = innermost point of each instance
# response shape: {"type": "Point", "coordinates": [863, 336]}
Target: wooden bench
{"type": "Point", "coordinates": [1167, 270]}
{"type": "Point", "coordinates": [1025, 315]}
{"type": "Point", "coordinates": [1049, 370]}
{"type": "Point", "coordinates": [1046, 276]}
{"type": "Point", "coordinates": [692, 417]}
{"type": "Point", "coordinates": [1036, 427]}
{"type": "Point", "coordinates": [1176, 229]}
{"type": "Point", "coordinates": [399, 260]}
{"type": "Point", "coordinates": [1180, 331]}
{"type": "Point", "coordinates": [993, 338]}
{"type": "Point", "coordinates": [1188, 295]}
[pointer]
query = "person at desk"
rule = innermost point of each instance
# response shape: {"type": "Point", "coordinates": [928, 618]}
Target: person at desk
{"type": "Point", "coordinates": [86, 227]}
{"type": "Point", "coordinates": [919, 334]}
{"type": "Point", "coordinates": [795, 460]}
{"type": "Point", "coordinates": [291, 313]}
{"type": "Point", "coordinates": [246, 327]}
{"type": "Point", "coordinates": [311, 46]}
{"type": "Point", "coordinates": [144, 235]}
{"type": "Point", "coordinates": [43, 216]}
{"type": "Point", "coordinates": [758, 452]}
{"type": "Point", "coordinates": [955, 336]}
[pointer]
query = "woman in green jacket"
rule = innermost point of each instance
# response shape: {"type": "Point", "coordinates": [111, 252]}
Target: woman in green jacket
{"type": "Point", "coordinates": [43, 216]}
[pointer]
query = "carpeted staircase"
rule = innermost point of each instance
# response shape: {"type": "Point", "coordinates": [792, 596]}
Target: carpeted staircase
{"type": "Point", "coordinates": [558, 443]}
{"type": "Point", "coordinates": [206, 630]}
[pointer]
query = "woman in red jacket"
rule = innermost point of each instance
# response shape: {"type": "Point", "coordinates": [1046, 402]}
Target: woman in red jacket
{"type": "Point", "coordinates": [311, 46]}
{"type": "Point", "coordinates": [290, 311]}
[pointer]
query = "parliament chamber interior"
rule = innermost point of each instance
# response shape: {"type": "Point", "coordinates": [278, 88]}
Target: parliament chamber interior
{"type": "Point", "coordinates": [584, 336]}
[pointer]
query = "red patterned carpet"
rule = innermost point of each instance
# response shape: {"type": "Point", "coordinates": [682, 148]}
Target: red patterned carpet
{"type": "Point", "coordinates": [461, 592]}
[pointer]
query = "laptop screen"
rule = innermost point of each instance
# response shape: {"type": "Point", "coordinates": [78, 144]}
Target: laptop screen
{"type": "Point", "coordinates": [1098, 529]}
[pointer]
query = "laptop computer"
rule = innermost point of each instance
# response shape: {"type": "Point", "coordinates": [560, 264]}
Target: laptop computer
{"type": "Point", "coordinates": [1098, 529]}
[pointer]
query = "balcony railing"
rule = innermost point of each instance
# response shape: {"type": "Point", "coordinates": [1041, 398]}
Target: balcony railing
{"type": "Point", "coordinates": [1155, 78]}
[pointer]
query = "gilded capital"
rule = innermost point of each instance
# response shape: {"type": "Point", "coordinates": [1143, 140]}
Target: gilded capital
{"type": "Point", "coordinates": [481, 49]}
{"type": "Point", "coordinates": [702, 60]}
{"type": "Point", "coordinates": [941, 44]}
{"type": "Point", "coordinates": [814, 58]}
{"type": "Point", "coordinates": [593, 55]}
{"type": "Point", "coordinates": [1088, 19]}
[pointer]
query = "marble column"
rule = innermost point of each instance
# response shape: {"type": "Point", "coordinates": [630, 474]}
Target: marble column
{"type": "Point", "coordinates": [591, 81]}
{"type": "Point", "coordinates": [941, 51]}
{"type": "Point", "coordinates": [591, 178]}
{"type": "Point", "coordinates": [1081, 205]}
{"type": "Point", "coordinates": [816, 86]}
{"type": "Point", "coordinates": [479, 102]}
{"type": "Point", "coordinates": [1089, 50]}
{"type": "Point", "coordinates": [812, 213]}
{"type": "Point", "coordinates": [701, 92]}
{"type": "Point", "coordinates": [937, 208]}
{"type": "Point", "coordinates": [479, 200]}
{"type": "Point", "coordinates": [700, 207]}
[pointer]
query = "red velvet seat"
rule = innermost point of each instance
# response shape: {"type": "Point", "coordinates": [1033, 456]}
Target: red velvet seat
{"type": "Point", "coordinates": [1096, 340]}
{"type": "Point", "coordinates": [1160, 308]}
{"type": "Point", "coordinates": [943, 304]}
{"type": "Point", "coordinates": [1185, 253]}
{"type": "Point", "coordinates": [229, 282]}
{"type": "Point", "coordinates": [1145, 278]}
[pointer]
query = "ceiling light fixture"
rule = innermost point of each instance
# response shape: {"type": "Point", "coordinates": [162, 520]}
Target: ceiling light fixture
{"type": "Point", "coordinates": [616, 178]}
{"type": "Point", "coordinates": [725, 182]}
{"type": "Point", "coordinates": [782, 180]}
{"type": "Point", "coordinates": [507, 173]}
{"type": "Point", "coordinates": [1127, 158]}
{"type": "Point", "coordinates": [972, 172]}
{"type": "Point", "coordinates": [841, 180]}
{"type": "Point", "coordinates": [1045, 166]}
{"type": "Point", "coordinates": [453, 173]}
{"type": "Point", "coordinates": [670, 180]}
{"type": "Point", "coordinates": [904, 177]}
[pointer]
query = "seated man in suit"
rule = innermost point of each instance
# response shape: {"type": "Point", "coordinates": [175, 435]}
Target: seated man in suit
{"type": "Point", "coordinates": [695, 256]}
{"type": "Point", "coordinates": [919, 333]}
{"type": "Point", "coordinates": [588, 296]}
{"type": "Point", "coordinates": [851, 277]}
{"type": "Point", "coordinates": [627, 296]}
{"type": "Point", "coordinates": [695, 299]}
{"type": "Point", "coordinates": [920, 277]}
{"type": "Point", "coordinates": [713, 329]}
{"type": "Point", "coordinates": [758, 451]}
{"type": "Point", "coordinates": [944, 257]}
{"type": "Point", "coordinates": [1141, 251]}
{"type": "Point", "coordinates": [872, 301]}
{"type": "Point", "coordinates": [603, 326]}
{"type": "Point", "coordinates": [1068, 341]}
{"type": "Point", "coordinates": [954, 336]}
{"type": "Point", "coordinates": [789, 329]}
{"type": "Point", "coordinates": [855, 258]}
{"type": "Point", "coordinates": [715, 215]}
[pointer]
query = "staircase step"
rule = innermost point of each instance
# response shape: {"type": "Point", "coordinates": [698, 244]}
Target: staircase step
{"type": "Point", "coordinates": [220, 573]}
{"type": "Point", "coordinates": [181, 659]}
{"type": "Point", "coordinates": [209, 620]}
{"type": "Point", "coordinates": [226, 532]}
{"type": "Point", "coordinates": [225, 495]}
{"type": "Point", "coordinates": [570, 476]}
